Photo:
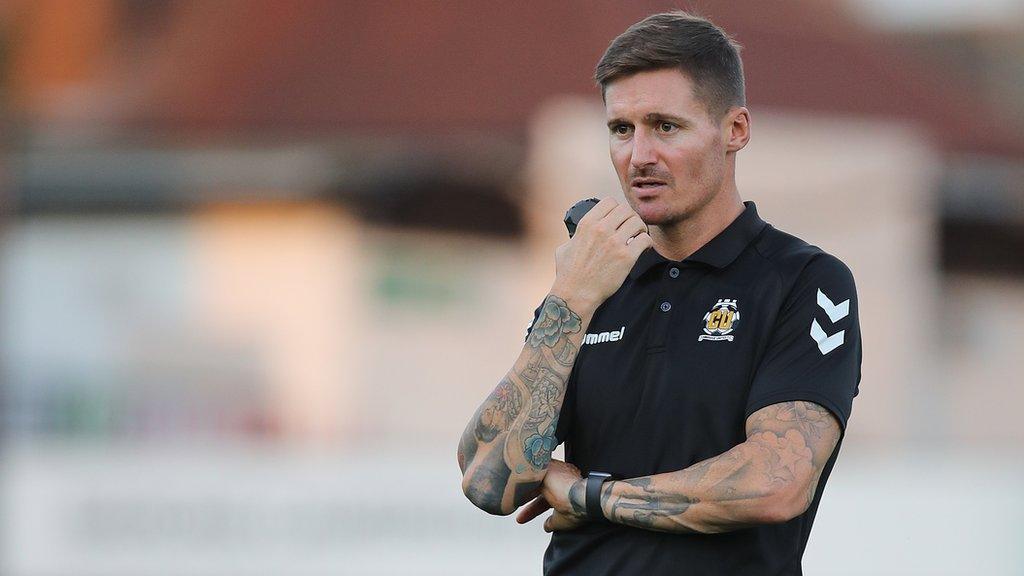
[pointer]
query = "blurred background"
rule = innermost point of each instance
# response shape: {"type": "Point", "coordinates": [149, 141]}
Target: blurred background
{"type": "Point", "coordinates": [260, 262]}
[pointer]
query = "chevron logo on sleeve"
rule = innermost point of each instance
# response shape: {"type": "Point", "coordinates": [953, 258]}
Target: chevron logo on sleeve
{"type": "Point", "coordinates": [827, 343]}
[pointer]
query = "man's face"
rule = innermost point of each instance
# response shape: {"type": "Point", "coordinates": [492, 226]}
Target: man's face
{"type": "Point", "coordinates": [669, 155]}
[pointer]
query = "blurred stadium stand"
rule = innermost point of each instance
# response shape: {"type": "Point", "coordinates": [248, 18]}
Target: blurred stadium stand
{"type": "Point", "coordinates": [238, 231]}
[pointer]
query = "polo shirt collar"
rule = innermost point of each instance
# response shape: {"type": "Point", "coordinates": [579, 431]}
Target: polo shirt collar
{"type": "Point", "coordinates": [718, 252]}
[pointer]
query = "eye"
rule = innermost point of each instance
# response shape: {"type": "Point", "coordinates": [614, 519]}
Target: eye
{"type": "Point", "coordinates": [620, 129]}
{"type": "Point", "coordinates": [667, 126]}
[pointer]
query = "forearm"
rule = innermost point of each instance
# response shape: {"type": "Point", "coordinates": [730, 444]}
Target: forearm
{"type": "Point", "coordinates": [753, 483]}
{"type": "Point", "coordinates": [507, 445]}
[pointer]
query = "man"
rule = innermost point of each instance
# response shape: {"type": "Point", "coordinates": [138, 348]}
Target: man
{"type": "Point", "coordinates": [699, 364]}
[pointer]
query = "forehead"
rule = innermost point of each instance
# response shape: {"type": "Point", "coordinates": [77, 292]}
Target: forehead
{"type": "Point", "coordinates": [667, 91]}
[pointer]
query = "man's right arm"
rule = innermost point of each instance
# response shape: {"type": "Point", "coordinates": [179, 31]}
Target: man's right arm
{"type": "Point", "coordinates": [507, 445]}
{"type": "Point", "coordinates": [505, 449]}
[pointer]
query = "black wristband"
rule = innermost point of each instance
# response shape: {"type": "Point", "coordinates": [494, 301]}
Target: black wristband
{"type": "Point", "coordinates": [593, 495]}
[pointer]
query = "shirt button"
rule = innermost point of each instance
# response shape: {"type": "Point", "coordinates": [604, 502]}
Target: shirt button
{"type": "Point", "coordinates": [673, 272]}
{"type": "Point", "coordinates": [665, 306]}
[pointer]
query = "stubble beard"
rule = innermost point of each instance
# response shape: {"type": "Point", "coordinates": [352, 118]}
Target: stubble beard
{"type": "Point", "coordinates": [667, 219]}
{"type": "Point", "coordinates": [674, 215]}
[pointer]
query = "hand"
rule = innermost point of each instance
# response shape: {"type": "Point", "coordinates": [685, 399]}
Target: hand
{"type": "Point", "coordinates": [593, 264]}
{"type": "Point", "coordinates": [563, 489]}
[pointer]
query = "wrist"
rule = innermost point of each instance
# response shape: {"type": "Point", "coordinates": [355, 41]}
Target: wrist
{"type": "Point", "coordinates": [595, 483]}
{"type": "Point", "coordinates": [577, 300]}
{"type": "Point", "coordinates": [577, 498]}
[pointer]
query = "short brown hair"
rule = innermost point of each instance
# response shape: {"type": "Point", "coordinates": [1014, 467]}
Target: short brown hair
{"type": "Point", "coordinates": [692, 44]}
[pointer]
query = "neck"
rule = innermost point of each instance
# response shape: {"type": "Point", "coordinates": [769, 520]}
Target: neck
{"type": "Point", "coordinates": [677, 241]}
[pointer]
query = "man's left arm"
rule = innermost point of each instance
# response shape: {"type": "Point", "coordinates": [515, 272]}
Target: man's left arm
{"type": "Point", "coordinates": [769, 478]}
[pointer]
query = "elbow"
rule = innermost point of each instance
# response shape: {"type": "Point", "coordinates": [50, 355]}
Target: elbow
{"type": "Point", "coordinates": [485, 496]}
{"type": "Point", "coordinates": [784, 504]}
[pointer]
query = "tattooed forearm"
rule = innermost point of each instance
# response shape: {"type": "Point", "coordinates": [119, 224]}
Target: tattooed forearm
{"type": "Point", "coordinates": [538, 431]}
{"type": "Point", "coordinates": [494, 416]}
{"type": "Point", "coordinates": [647, 502]}
{"type": "Point", "coordinates": [490, 479]}
{"type": "Point", "coordinates": [652, 509]}
{"type": "Point", "coordinates": [555, 320]}
{"type": "Point", "coordinates": [771, 477]}
{"type": "Point", "coordinates": [518, 420]}
{"type": "Point", "coordinates": [501, 408]}
{"type": "Point", "coordinates": [577, 496]}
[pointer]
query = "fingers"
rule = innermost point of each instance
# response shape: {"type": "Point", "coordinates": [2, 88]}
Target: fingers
{"type": "Point", "coordinates": [630, 228]}
{"type": "Point", "coordinates": [535, 508]}
{"type": "Point", "coordinates": [614, 217]}
{"type": "Point", "coordinates": [600, 210]}
{"type": "Point", "coordinates": [639, 243]}
{"type": "Point", "coordinates": [617, 216]}
{"type": "Point", "coordinates": [609, 213]}
{"type": "Point", "coordinates": [558, 521]}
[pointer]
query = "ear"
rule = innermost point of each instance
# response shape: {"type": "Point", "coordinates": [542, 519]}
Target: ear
{"type": "Point", "coordinates": [736, 128]}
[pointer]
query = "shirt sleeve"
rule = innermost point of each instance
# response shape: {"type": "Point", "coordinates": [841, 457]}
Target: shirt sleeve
{"type": "Point", "coordinates": [814, 349]}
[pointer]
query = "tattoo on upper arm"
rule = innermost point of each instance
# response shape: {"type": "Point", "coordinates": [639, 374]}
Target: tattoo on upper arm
{"type": "Point", "coordinates": [815, 426]}
{"type": "Point", "coordinates": [798, 437]}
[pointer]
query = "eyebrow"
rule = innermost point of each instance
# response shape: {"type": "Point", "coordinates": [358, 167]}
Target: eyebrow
{"type": "Point", "coordinates": [651, 118]}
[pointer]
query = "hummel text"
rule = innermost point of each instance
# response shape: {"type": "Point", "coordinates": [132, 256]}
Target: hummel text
{"type": "Point", "coordinates": [605, 336]}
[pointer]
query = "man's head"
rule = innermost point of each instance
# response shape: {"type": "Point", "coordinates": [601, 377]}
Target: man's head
{"type": "Point", "coordinates": [684, 42]}
{"type": "Point", "coordinates": [674, 97]}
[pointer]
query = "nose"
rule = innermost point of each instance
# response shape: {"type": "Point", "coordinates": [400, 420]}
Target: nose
{"type": "Point", "coordinates": [643, 151]}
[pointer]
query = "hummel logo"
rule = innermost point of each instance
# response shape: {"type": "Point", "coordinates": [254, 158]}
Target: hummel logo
{"type": "Point", "coordinates": [605, 336]}
{"type": "Point", "coordinates": [835, 312]}
{"type": "Point", "coordinates": [825, 342]}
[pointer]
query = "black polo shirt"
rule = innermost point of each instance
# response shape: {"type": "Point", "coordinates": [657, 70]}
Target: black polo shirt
{"type": "Point", "coordinates": [672, 365]}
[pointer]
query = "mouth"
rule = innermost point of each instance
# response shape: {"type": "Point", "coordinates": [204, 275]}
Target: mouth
{"type": "Point", "coordinates": [646, 187]}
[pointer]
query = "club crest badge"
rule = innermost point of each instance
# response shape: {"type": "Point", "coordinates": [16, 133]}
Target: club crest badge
{"type": "Point", "coordinates": [721, 321]}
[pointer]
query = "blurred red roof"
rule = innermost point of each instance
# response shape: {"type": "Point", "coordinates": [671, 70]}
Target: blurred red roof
{"type": "Point", "coordinates": [423, 67]}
